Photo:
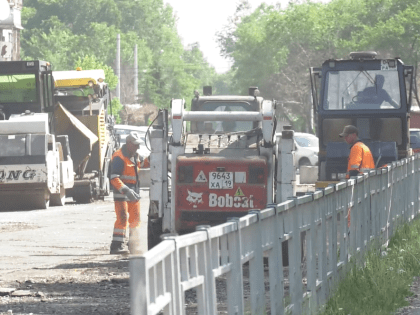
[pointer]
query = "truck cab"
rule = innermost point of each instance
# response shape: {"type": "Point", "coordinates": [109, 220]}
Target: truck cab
{"type": "Point", "coordinates": [370, 93]}
{"type": "Point", "coordinates": [34, 167]}
{"type": "Point", "coordinates": [26, 86]}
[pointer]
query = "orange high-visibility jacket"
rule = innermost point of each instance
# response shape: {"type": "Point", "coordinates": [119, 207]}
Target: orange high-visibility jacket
{"type": "Point", "coordinates": [123, 172]}
{"type": "Point", "coordinates": [360, 159]}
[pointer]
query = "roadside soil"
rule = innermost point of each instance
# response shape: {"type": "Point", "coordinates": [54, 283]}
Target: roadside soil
{"type": "Point", "coordinates": [414, 300]}
{"type": "Point", "coordinates": [98, 285]}
{"type": "Point", "coordinates": [57, 261]}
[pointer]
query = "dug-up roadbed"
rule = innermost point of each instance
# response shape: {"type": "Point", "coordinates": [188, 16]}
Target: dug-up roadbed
{"type": "Point", "coordinates": [57, 261]}
{"type": "Point", "coordinates": [93, 286]}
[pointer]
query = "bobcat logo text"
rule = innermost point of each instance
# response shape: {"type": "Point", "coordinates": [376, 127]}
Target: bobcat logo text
{"type": "Point", "coordinates": [229, 201]}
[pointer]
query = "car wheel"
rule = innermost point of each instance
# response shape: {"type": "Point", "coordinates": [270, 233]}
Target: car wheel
{"type": "Point", "coordinates": [304, 162]}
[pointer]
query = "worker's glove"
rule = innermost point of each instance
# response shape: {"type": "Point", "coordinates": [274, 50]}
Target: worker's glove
{"type": "Point", "coordinates": [131, 194]}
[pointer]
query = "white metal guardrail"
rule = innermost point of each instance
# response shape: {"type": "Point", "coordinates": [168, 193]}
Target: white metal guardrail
{"type": "Point", "coordinates": [379, 201]}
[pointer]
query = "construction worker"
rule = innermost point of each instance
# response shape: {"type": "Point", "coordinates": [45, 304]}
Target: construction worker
{"type": "Point", "coordinates": [360, 158]}
{"type": "Point", "coordinates": [125, 169]}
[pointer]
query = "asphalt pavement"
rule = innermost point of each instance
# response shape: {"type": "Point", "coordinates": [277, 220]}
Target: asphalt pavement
{"type": "Point", "coordinates": [43, 238]}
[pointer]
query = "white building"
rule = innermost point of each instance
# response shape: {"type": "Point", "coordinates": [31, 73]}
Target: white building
{"type": "Point", "coordinates": [10, 26]}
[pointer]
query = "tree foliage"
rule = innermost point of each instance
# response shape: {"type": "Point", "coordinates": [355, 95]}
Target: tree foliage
{"type": "Point", "coordinates": [70, 32]}
{"type": "Point", "coordinates": [273, 48]}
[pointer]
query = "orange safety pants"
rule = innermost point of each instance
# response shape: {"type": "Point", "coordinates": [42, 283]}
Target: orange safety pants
{"type": "Point", "coordinates": [128, 213]}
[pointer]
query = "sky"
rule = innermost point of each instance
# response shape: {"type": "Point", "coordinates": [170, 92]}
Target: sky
{"type": "Point", "coordinates": [199, 20]}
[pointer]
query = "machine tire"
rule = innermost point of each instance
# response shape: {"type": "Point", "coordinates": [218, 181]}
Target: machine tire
{"type": "Point", "coordinates": [40, 202]}
{"type": "Point", "coordinates": [304, 162]}
{"type": "Point", "coordinates": [58, 200]}
{"type": "Point", "coordinates": [154, 231]}
{"type": "Point", "coordinates": [86, 196]}
{"type": "Point", "coordinates": [107, 187]}
{"type": "Point", "coordinates": [35, 201]}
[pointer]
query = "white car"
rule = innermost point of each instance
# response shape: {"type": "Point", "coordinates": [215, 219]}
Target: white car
{"type": "Point", "coordinates": [307, 148]}
{"type": "Point", "coordinates": [122, 131]}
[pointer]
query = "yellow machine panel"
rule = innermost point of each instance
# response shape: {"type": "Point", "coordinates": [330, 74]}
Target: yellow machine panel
{"type": "Point", "coordinates": [77, 78]}
{"type": "Point", "coordinates": [96, 124]}
{"type": "Point", "coordinates": [83, 140]}
{"type": "Point", "coordinates": [323, 184]}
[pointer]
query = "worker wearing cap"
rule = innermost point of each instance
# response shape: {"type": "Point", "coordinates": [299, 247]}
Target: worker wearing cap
{"type": "Point", "coordinates": [125, 168]}
{"type": "Point", "coordinates": [360, 158]}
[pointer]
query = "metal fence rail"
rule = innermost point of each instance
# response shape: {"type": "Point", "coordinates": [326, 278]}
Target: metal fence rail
{"type": "Point", "coordinates": [320, 246]}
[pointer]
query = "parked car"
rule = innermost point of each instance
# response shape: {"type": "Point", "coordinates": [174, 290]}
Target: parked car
{"type": "Point", "coordinates": [122, 131]}
{"type": "Point", "coordinates": [307, 148]}
{"type": "Point", "coordinates": [415, 139]}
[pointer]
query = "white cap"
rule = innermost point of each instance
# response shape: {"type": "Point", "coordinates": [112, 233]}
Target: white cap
{"type": "Point", "coordinates": [133, 138]}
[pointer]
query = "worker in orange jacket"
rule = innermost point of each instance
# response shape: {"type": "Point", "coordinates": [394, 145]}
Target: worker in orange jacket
{"type": "Point", "coordinates": [125, 169]}
{"type": "Point", "coordinates": [360, 157]}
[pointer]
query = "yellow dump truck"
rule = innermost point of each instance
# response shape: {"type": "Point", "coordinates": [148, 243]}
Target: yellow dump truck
{"type": "Point", "coordinates": [82, 102]}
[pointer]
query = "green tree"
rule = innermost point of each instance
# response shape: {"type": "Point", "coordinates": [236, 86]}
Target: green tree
{"type": "Point", "coordinates": [116, 109]}
{"type": "Point", "coordinates": [273, 48]}
{"type": "Point", "coordinates": [66, 31]}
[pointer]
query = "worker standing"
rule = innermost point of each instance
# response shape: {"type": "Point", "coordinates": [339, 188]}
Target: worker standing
{"type": "Point", "coordinates": [125, 169]}
{"type": "Point", "coordinates": [360, 157]}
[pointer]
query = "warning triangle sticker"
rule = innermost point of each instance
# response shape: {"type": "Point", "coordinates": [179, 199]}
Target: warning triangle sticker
{"type": "Point", "coordinates": [239, 192]}
{"type": "Point", "coordinates": [201, 178]}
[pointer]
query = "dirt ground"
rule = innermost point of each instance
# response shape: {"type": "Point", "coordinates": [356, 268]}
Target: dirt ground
{"type": "Point", "coordinates": [93, 286]}
{"type": "Point", "coordinates": [414, 307]}
{"type": "Point", "coordinates": [57, 261]}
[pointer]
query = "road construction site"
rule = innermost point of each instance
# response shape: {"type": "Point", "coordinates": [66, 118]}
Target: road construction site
{"type": "Point", "coordinates": [57, 261]}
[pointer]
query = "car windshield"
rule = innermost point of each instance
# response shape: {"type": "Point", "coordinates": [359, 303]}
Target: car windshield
{"type": "Point", "coordinates": [358, 90]}
{"type": "Point", "coordinates": [307, 141]}
{"type": "Point", "coordinates": [122, 131]}
{"type": "Point", "coordinates": [224, 126]}
{"type": "Point", "coordinates": [18, 88]}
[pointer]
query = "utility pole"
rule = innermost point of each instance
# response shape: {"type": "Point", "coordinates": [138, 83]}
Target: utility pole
{"type": "Point", "coordinates": [118, 68]}
{"type": "Point", "coordinates": [136, 76]}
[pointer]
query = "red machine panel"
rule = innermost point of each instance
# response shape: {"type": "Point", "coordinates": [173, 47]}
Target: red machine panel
{"type": "Point", "coordinates": [211, 189]}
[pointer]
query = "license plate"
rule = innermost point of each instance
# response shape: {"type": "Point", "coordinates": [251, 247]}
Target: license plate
{"type": "Point", "coordinates": [221, 180]}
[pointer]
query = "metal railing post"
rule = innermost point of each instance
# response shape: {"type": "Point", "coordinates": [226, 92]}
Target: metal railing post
{"type": "Point", "coordinates": [256, 269]}
{"type": "Point", "coordinates": [275, 263]}
{"type": "Point", "coordinates": [139, 285]}
{"type": "Point", "coordinates": [234, 281]}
